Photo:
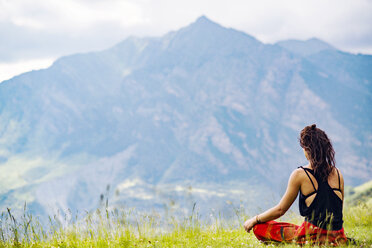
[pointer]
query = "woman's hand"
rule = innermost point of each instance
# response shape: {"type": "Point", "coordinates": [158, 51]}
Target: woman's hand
{"type": "Point", "coordinates": [249, 224]}
{"type": "Point", "coordinates": [294, 184]}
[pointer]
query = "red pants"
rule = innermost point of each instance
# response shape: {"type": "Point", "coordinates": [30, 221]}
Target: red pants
{"type": "Point", "coordinates": [306, 233]}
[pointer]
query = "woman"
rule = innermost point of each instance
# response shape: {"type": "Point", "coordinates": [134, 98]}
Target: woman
{"type": "Point", "coordinates": [321, 188]}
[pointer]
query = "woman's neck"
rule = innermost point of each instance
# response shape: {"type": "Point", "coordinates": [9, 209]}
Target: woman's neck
{"type": "Point", "coordinates": [309, 166]}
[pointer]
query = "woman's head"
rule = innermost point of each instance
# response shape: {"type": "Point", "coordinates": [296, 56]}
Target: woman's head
{"type": "Point", "coordinates": [318, 150]}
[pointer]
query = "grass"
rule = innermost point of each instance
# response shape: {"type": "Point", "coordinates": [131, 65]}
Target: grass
{"type": "Point", "coordinates": [128, 228]}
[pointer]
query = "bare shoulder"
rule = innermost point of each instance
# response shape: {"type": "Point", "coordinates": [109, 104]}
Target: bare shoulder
{"type": "Point", "coordinates": [299, 172]}
{"type": "Point", "coordinates": [297, 175]}
{"type": "Point", "coordinates": [337, 170]}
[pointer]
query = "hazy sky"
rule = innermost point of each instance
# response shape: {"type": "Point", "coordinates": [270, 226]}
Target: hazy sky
{"type": "Point", "coordinates": [34, 33]}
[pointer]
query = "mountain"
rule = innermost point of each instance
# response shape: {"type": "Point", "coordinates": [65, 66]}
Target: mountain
{"type": "Point", "coordinates": [205, 114]}
{"type": "Point", "coordinates": [305, 48]}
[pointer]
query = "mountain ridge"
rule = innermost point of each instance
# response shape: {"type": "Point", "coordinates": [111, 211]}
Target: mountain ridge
{"type": "Point", "coordinates": [200, 106]}
{"type": "Point", "coordinates": [305, 47]}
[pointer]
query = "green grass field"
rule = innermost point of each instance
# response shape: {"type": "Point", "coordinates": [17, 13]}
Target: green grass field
{"type": "Point", "coordinates": [131, 229]}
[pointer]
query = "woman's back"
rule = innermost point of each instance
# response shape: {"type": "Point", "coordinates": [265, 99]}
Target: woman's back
{"type": "Point", "coordinates": [321, 200]}
{"type": "Point", "coordinates": [307, 187]}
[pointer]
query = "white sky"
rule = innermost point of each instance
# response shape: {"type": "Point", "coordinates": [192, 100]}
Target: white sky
{"type": "Point", "coordinates": [34, 33]}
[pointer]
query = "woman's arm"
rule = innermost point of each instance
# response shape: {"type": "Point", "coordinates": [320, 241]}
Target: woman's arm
{"type": "Point", "coordinates": [294, 184]}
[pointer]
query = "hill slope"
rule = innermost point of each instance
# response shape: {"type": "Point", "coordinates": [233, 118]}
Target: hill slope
{"type": "Point", "coordinates": [359, 194]}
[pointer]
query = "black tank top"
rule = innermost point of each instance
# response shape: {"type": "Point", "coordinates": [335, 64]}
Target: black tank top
{"type": "Point", "coordinates": [325, 211]}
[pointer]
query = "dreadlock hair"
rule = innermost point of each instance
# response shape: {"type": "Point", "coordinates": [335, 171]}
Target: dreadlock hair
{"type": "Point", "coordinates": [319, 149]}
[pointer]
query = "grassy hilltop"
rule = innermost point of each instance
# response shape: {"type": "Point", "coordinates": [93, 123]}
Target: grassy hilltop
{"type": "Point", "coordinates": [360, 194]}
{"type": "Point", "coordinates": [129, 228]}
